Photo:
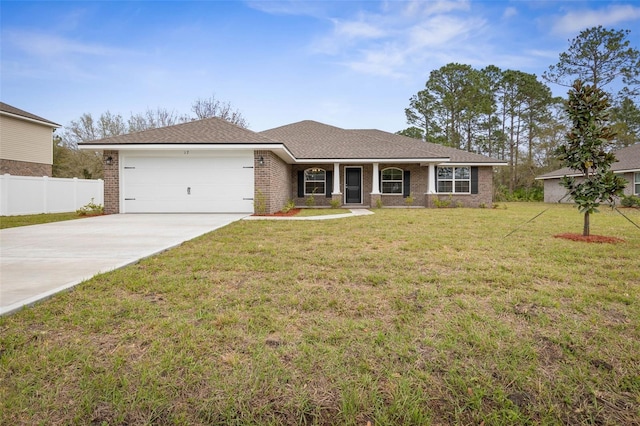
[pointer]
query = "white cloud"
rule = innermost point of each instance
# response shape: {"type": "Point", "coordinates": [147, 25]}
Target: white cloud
{"type": "Point", "coordinates": [575, 21]}
{"type": "Point", "coordinates": [509, 12]}
{"type": "Point", "coordinates": [384, 43]}
{"type": "Point", "coordinates": [357, 29]}
{"type": "Point", "coordinates": [49, 45]}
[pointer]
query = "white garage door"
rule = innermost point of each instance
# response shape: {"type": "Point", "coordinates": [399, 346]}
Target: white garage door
{"type": "Point", "coordinates": [188, 182]}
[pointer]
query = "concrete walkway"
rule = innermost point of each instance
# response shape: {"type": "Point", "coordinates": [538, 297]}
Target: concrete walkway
{"type": "Point", "coordinates": [40, 260]}
{"type": "Point", "coordinates": [353, 212]}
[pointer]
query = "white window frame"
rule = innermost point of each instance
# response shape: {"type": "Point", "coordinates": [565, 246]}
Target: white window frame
{"type": "Point", "coordinates": [636, 183]}
{"type": "Point", "coordinates": [453, 180]}
{"type": "Point", "coordinates": [324, 181]}
{"type": "Point", "coordinates": [395, 181]}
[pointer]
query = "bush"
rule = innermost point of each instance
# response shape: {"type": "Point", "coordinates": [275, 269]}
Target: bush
{"type": "Point", "coordinates": [90, 209]}
{"type": "Point", "coordinates": [289, 206]}
{"type": "Point", "coordinates": [630, 201]}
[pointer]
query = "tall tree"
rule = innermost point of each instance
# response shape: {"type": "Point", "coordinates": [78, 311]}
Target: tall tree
{"type": "Point", "coordinates": [154, 118]}
{"type": "Point", "coordinates": [212, 107]}
{"type": "Point", "coordinates": [422, 114]}
{"type": "Point", "coordinates": [626, 122]}
{"type": "Point", "coordinates": [586, 151]}
{"type": "Point", "coordinates": [598, 56]}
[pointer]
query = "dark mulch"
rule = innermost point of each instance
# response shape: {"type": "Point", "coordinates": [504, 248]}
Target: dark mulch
{"type": "Point", "coordinates": [590, 238]}
{"type": "Point", "coordinates": [291, 212]}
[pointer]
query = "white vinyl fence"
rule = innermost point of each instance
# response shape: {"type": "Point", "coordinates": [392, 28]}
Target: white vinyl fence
{"type": "Point", "coordinates": [34, 195]}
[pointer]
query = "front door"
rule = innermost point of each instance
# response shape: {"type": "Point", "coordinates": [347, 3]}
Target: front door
{"type": "Point", "coordinates": [353, 185]}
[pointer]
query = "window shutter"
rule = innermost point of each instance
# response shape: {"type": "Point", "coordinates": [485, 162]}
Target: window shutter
{"type": "Point", "coordinates": [380, 182]}
{"type": "Point", "coordinates": [474, 180]}
{"type": "Point", "coordinates": [328, 186]}
{"type": "Point", "coordinates": [301, 183]}
{"type": "Point", "coordinates": [435, 177]}
{"type": "Point", "coordinates": [406, 190]}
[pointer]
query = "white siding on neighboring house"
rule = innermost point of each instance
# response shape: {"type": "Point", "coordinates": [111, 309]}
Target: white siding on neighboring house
{"type": "Point", "coordinates": [22, 140]}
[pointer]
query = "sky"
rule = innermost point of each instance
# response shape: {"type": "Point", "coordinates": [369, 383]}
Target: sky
{"type": "Point", "coordinates": [351, 64]}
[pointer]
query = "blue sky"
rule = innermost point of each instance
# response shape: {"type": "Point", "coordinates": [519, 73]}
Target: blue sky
{"type": "Point", "coordinates": [352, 64]}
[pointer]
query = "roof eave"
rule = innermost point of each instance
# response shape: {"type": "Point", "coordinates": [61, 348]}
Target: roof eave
{"type": "Point", "coordinates": [32, 120]}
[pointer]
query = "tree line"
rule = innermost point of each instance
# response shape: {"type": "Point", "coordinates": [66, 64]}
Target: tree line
{"type": "Point", "coordinates": [69, 161]}
{"type": "Point", "coordinates": [512, 115]}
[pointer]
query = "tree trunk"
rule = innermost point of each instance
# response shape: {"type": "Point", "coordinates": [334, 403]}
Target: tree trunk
{"type": "Point", "coordinates": [585, 230]}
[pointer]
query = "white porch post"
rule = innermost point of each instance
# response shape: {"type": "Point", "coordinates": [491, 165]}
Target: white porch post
{"type": "Point", "coordinates": [376, 180]}
{"type": "Point", "coordinates": [336, 179]}
{"type": "Point", "coordinates": [432, 179]}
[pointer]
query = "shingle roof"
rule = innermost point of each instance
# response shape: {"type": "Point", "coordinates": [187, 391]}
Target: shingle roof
{"type": "Point", "coordinates": [628, 160]}
{"type": "Point", "coordinates": [17, 111]}
{"type": "Point", "coordinates": [312, 140]}
{"type": "Point", "coordinates": [206, 131]}
{"type": "Point", "coordinates": [455, 155]}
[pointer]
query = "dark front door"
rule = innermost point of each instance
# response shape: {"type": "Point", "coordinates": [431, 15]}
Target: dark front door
{"type": "Point", "coordinates": [353, 185]}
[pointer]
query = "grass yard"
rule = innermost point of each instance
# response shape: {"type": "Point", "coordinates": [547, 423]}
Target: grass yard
{"type": "Point", "coordinates": [35, 219]}
{"type": "Point", "coordinates": [417, 316]}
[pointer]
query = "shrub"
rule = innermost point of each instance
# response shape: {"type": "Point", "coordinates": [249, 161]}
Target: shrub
{"type": "Point", "coordinates": [334, 204]}
{"type": "Point", "coordinates": [409, 200]}
{"type": "Point", "coordinates": [441, 204]}
{"type": "Point", "coordinates": [289, 206]}
{"type": "Point", "coordinates": [630, 201]}
{"type": "Point", "coordinates": [379, 204]}
{"type": "Point", "coordinates": [90, 208]}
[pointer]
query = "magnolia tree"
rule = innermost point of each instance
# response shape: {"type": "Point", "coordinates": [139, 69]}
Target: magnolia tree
{"type": "Point", "coordinates": [586, 151]}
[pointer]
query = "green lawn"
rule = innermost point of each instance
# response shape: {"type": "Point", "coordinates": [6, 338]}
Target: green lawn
{"type": "Point", "coordinates": [35, 219]}
{"type": "Point", "coordinates": [417, 316]}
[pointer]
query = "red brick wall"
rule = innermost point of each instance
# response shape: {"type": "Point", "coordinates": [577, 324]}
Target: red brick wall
{"type": "Point", "coordinates": [111, 183]}
{"type": "Point", "coordinates": [484, 197]}
{"type": "Point", "coordinates": [25, 168]}
{"type": "Point", "coordinates": [272, 182]}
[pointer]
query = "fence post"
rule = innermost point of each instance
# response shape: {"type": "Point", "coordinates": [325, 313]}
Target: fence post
{"type": "Point", "coordinates": [4, 193]}
{"type": "Point", "coordinates": [75, 193]}
{"type": "Point", "coordinates": [45, 188]}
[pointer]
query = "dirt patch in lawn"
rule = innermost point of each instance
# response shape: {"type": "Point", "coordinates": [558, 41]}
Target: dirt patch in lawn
{"type": "Point", "coordinates": [590, 238]}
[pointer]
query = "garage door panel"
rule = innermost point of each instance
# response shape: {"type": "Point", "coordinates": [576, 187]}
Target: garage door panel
{"type": "Point", "coordinates": [188, 184]}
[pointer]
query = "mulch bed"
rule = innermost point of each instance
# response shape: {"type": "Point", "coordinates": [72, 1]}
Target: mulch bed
{"type": "Point", "coordinates": [590, 238]}
{"type": "Point", "coordinates": [291, 212]}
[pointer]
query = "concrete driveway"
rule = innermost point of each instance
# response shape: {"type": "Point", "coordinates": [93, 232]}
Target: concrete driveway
{"type": "Point", "coordinates": [40, 260]}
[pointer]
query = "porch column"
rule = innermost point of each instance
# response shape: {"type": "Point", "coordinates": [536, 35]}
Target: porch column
{"type": "Point", "coordinates": [376, 180]}
{"type": "Point", "coordinates": [336, 179]}
{"type": "Point", "coordinates": [432, 179]}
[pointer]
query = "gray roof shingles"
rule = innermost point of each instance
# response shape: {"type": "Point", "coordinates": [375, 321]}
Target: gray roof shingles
{"type": "Point", "coordinates": [306, 140]}
{"type": "Point", "coordinates": [312, 140]}
{"type": "Point", "coordinates": [628, 159]}
{"type": "Point", "coordinates": [206, 131]}
{"type": "Point", "coordinates": [17, 111]}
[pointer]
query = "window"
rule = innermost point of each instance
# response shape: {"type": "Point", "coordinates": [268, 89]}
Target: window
{"type": "Point", "coordinates": [392, 181]}
{"type": "Point", "coordinates": [314, 181]}
{"type": "Point", "coordinates": [637, 183]}
{"type": "Point", "coordinates": [456, 180]}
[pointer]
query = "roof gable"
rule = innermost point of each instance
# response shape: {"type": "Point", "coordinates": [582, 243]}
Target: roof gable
{"type": "Point", "coordinates": [8, 109]}
{"type": "Point", "coordinates": [205, 131]}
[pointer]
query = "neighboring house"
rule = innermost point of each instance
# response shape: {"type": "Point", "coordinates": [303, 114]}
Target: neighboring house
{"type": "Point", "coordinates": [211, 165]}
{"type": "Point", "coordinates": [627, 166]}
{"type": "Point", "coordinates": [26, 142]}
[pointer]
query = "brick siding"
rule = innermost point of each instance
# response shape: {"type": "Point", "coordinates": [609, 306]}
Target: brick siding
{"type": "Point", "coordinates": [484, 197]}
{"type": "Point", "coordinates": [418, 187]}
{"type": "Point", "coordinates": [111, 183]}
{"type": "Point", "coordinates": [272, 182]}
{"type": "Point", "coordinates": [25, 168]}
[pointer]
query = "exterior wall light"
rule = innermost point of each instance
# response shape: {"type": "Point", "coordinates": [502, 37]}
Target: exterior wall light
{"type": "Point", "coordinates": [261, 160]}
{"type": "Point", "coordinates": [108, 161]}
